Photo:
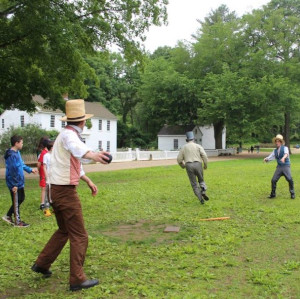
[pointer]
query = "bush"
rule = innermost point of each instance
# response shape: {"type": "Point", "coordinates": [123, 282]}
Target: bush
{"type": "Point", "coordinates": [31, 136]}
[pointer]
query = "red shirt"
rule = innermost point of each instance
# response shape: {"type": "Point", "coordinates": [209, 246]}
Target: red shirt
{"type": "Point", "coordinates": [41, 158]}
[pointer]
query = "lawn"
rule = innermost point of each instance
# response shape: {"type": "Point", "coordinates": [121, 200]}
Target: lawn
{"type": "Point", "coordinates": [254, 254]}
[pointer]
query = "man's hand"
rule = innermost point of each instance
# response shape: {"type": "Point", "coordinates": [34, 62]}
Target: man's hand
{"type": "Point", "coordinates": [34, 171]}
{"type": "Point", "coordinates": [91, 185]}
{"type": "Point", "coordinates": [266, 160]}
{"type": "Point", "coordinates": [14, 189]}
{"type": "Point", "coordinates": [93, 188]}
{"type": "Point", "coordinates": [284, 157]}
{"type": "Point", "coordinates": [97, 156]}
{"type": "Point", "coordinates": [205, 166]}
{"type": "Point", "coordinates": [182, 165]}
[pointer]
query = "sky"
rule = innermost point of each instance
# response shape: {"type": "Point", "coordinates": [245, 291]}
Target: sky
{"type": "Point", "coordinates": [183, 15]}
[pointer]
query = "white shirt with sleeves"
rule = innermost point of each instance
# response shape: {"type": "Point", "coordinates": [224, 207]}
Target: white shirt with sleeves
{"type": "Point", "coordinates": [68, 149]}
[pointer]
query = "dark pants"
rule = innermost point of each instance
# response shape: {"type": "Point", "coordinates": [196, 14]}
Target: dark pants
{"type": "Point", "coordinates": [68, 213]}
{"type": "Point", "coordinates": [195, 173]}
{"type": "Point", "coordinates": [279, 172]}
{"type": "Point", "coordinates": [17, 199]}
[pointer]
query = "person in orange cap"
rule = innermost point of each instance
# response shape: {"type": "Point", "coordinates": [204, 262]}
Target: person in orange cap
{"type": "Point", "coordinates": [281, 154]}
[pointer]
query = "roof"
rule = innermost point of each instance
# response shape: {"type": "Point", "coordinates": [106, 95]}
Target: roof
{"type": "Point", "coordinates": [175, 130]}
{"type": "Point", "coordinates": [95, 108]}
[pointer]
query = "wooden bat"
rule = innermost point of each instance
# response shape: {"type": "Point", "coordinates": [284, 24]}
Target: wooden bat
{"type": "Point", "coordinates": [214, 219]}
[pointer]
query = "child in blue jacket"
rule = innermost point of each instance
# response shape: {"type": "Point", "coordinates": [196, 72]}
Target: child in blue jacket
{"type": "Point", "coordinates": [15, 180]}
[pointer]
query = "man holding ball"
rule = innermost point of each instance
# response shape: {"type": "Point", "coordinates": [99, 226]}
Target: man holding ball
{"type": "Point", "coordinates": [66, 171]}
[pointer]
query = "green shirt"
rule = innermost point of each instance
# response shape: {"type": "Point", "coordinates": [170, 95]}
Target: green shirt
{"type": "Point", "coordinates": [192, 152]}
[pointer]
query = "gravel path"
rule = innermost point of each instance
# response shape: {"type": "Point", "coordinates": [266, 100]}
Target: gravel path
{"type": "Point", "coordinates": [142, 164]}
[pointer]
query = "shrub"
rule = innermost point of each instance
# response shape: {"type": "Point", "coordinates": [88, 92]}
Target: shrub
{"type": "Point", "coordinates": [31, 135]}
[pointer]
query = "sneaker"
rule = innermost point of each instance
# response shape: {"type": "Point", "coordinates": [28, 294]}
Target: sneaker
{"type": "Point", "coordinates": [8, 219]}
{"type": "Point", "coordinates": [47, 212]}
{"type": "Point", "coordinates": [21, 224]}
{"type": "Point", "coordinates": [42, 206]}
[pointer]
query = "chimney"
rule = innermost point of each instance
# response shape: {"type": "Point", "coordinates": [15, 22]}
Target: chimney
{"type": "Point", "coordinates": [65, 96]}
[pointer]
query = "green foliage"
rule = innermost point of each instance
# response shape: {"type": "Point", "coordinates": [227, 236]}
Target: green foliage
{"type": "Point", "coordinates": [31, 136]}
{"type": "Point", "coordinates": [273, 50]}
{"type": "Point", "coordinates": [119, 81]}
{"type": "Point", "coordinates": [88, 123]}
{"type": "Point", "coordinates": [167, 96]}
{"type": "Point", "coordinates": [251, 255]}
{"type": "Point", "coordinates": [43, 43]}
{"type": "Point", "coordinates": [129, 136]}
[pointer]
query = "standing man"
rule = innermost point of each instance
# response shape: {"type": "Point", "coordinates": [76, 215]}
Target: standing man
{"type": "Point", "coordinates": [281, 154]}
{"type": "Point", "coordinates": [190, 157]}
{"type": "Point", "coordinates": [66, 171]}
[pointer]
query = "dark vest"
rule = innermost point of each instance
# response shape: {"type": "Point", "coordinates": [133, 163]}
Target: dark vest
{"type": "Point", "coordinates": [279, 153]}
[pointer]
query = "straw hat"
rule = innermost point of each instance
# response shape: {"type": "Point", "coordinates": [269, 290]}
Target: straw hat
{"type": "Point", "coordinates": [278, 137]}
{"type": "Point", "coordinates": [75, 111]}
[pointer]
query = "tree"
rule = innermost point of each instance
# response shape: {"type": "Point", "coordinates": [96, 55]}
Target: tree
{"type": "Point", "coordinates": [273, 36]}
{"type": "Point", "coordinates": [228, 99]}
{"type": "Point", "coordinates": [43, 43]}
{"type": "Point", "coordinates": [167, 96]}
{"type": "Point", "coordinates": [217, 44]}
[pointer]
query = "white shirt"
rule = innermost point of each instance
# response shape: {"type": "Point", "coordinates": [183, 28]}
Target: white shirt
{"type": "Point", "coordinates": [68, 149]}
{"type": "Point", "coordinates": [47, 162]}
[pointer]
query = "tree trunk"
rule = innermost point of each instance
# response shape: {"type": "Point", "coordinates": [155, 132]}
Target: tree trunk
{"type": "Point", "coordinates": [287, 123]}
{"type": "Point", "coordinates": [218, 130]}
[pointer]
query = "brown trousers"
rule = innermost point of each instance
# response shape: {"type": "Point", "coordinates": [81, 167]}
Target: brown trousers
{"type": "Point", "coordinates": [68, 213]}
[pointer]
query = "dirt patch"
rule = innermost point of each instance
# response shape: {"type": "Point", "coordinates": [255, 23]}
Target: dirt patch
{"type": "Point", "coordinates": [141, 231]}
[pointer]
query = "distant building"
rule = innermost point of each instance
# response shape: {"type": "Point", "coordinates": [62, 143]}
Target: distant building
{"type": "Point", "coordinates": [102, 135]}
{"type": "Point", "coordinates": [173, 137]}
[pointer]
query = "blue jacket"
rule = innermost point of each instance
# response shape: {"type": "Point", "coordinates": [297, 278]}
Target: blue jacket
{"type": "Point", "coordinates": [14, 169]}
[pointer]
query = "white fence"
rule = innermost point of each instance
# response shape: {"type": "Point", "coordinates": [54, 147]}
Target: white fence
{"type": "Point", "coordinates": [132, 155]}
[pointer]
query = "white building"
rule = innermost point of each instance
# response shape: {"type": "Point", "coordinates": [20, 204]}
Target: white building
{"type": "Point", "coordinates": [102, 134]}
{"type": "Point", "coordinates": [173, 137]}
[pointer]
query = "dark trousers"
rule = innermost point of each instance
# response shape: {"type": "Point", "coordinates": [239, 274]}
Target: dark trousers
{"type": "Point", "coordinates": [195, 173]}
{"type": "Point", "coordinates": [68, 213]}
{"type": "Point", "coordinates": [279, 172]}
{"type": "Point", "coordinates": [17, 199]}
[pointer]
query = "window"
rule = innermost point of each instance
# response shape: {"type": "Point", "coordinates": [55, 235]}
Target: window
{"type": "Point", "coordinates": [108, 125]}
{"type": "Point", "coordinates": [100, 125]}
{"type": "Point", "coordinates": [63, 124]}
{"type": "Point", "coordinates": [108, 146]}
{"type": "Point", "coordinates": [22, 120]}
{"type": "Point", "coordinates": [175, 143]}
{"type": "Point", "coordinates": [2, 123]}
{"type": "Point", "coordinates": [52, 121]}
{"type": "Point", "coordinates": [100, 145]}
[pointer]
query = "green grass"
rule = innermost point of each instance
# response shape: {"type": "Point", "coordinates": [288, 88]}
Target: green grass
{"type": "Point", "coordinates": [255, 254]}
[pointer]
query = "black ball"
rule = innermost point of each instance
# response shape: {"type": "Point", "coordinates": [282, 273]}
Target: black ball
{"type": "Point", "coordinates": [109, 158]}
